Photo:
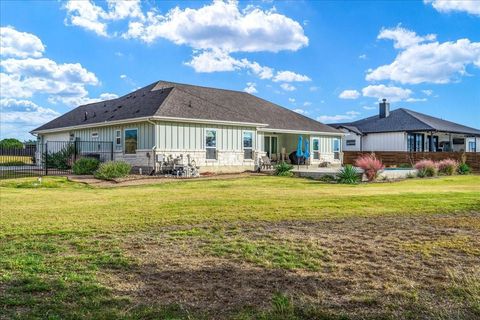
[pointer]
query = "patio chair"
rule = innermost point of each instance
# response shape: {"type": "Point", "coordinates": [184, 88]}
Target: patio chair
{"type": "Point", "coordinates": [266, 164]}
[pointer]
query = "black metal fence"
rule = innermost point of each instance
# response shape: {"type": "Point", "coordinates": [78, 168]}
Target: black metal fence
{"type": "Point", "coordinates": [51, 158]}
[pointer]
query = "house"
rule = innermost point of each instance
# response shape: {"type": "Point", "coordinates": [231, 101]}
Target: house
{"type": "Point", "coordinates": [406, 130]}
{"type": "Point", "coordinates": [222, 130]}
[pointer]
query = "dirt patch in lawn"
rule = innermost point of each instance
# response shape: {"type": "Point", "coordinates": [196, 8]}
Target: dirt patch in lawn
{"type": "Point", "coordinates": [136, 180]}
{"type": "Point", "coordinates": [358, 267]}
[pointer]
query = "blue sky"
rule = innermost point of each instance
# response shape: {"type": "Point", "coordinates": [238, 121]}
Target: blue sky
{"type": "Point", "coordinates": [329, 60]}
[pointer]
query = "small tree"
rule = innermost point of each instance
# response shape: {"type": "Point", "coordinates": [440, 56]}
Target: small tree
{"type": "Point", "coordinates": [11, 143]}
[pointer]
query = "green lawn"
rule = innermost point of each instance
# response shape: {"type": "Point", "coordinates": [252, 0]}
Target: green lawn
{"type": "Point", "coordinates": [248, 248]}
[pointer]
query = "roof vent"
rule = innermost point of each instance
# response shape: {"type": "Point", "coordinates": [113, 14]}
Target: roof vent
{"type": "Point", "coordinates": [384, 109]}
{"type": "Point", "coordinates": [190, 103]}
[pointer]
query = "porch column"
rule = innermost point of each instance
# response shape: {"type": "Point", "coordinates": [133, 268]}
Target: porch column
{"type": "Point", "coordinates": [431, 142]}
{"type": "Point", "coordinates": [450, 141]}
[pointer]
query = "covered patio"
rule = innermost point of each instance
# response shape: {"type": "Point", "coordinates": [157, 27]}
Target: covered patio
{"type": "Point", "coordinates": [437, 141]}
{"type": "Point", "coordinates": [280, 146]}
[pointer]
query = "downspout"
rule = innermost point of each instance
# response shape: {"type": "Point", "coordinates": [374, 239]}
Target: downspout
{"type": "Point", "coordinates": [155, 143]}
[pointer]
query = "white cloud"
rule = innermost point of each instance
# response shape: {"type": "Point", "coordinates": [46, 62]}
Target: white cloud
{"type": "Point", "coordinates": [123, 76]}
{"type": "Point", "coordinates": [20, 44]}
{"type": "Point", "coordinates": [427, 92]}
{"type": "Point", "coordinates": [219, 61]}
{"type": "Point", "coordinates": [348, 116]}
{"type": "Point", "coordinates": [291, 100]}
{"type": "Point", "coordinates": [416, 100]}
{"type": "Point", "coordinates": [222, 25]}
{"type": "Point", "coordinates": [423, 61]}
{"type": "Point", "coordinates": [349, 94]}
{"type": "Point", "coordinates": [87, 15]}
{"type": "Point", "coordinates": [288, 87]}
{"type": "Point", "coordinates": [403, 38]}
{"type": "Point", "coordinates": [469, 6]}
{"type": "Point", "coordinates": [289, 76]}
{"type": "Point", "coordinates": [390, 93]}
{"type": "Point", "coordinates": [300, 111]}
{"type": "Point", "coordinates": [313, 88]}
{"type": "Point", "coordinates": [362, 56]}
{"type": "Point", "coordinates": [20, 116]}
{"type": "Point", "coordinates": [369, 107]}
{"type": "Point", "coordinates": [307, 103]}
{"type": "Point", "coordinates": [29, 74]}
{"type": "Point", "coordinates": [251, 88]}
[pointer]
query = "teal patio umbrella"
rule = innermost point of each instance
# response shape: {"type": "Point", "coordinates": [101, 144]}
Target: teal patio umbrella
{"type": "Point", "coordinates": [299, 153]}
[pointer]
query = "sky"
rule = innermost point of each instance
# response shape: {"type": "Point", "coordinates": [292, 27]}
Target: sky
{"type": "Point", "coordinates": [329, 60]}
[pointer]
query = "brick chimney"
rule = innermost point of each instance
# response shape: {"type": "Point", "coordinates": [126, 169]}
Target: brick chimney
{"type": "Point", "coordinates": [384, 109]}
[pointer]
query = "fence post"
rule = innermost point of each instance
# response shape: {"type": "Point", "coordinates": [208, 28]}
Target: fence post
{"type": "Point", "coordinates": [74, 151]}
{"type": "Point", "coordinates": [46, 158]}
{"type": "Point", "coordinates": [111, 151]}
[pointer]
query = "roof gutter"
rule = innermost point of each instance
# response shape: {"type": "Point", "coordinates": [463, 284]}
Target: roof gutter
{"type": "Point", "coordinates": [302, 132]}
{"type": "Point", "coordinates": [149, 119]}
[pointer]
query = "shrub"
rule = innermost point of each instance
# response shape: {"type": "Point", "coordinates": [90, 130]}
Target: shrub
{"type": "Point", "coordinates": [404, 166]}
{"type": "Point", "coordinates": [112, 170]}
{"type": "Point", "coordinates": [370, 165]}
{"type": "Point", "coordinates": [61, 159]}
{"type": "Point", "coordinates": [348, 175]}
{"type": "Point", "coordinates": [85, 166]}
{"type": "Point", "coordinates": [463, 168]}
{"type": "Point", "coordinates": [426, 168]}
{"type": "Point", "coordinates": [447, 167]}
{"type": "Point", "coordinates": [283, 169]}
{"type": "Point", "coordinates": [327, 178]}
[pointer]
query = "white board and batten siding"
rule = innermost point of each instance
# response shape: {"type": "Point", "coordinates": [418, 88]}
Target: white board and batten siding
{"type": "Point", "coordinates": [177, 136]}
{"type": "Point", "coordinates": [387, 141]}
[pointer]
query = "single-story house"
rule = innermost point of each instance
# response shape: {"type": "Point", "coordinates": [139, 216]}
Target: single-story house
{"type": "Point", "coordinates": [222, 130]}
{"type": "Point", "coordinates": [406, 130]}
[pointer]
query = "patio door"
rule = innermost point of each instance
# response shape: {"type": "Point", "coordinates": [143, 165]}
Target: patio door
{"type": "Point", "coordinates": [270, 145]}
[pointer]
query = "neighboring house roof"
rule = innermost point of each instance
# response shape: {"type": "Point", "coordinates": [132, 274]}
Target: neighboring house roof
{"type": "Point", "coordinates": [175, 100]}
{"type": "Point", "coordinates": [405, 120]}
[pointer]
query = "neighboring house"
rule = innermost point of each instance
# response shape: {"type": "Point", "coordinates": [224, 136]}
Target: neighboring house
{"type": "Point", "coordinates": [222, 130]}
{"type": "Point", "coordinates": [407, 130]}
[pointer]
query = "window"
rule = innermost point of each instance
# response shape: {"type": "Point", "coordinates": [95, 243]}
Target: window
{"type": "Point", "coordinates": [472, 146]}
{"type": "Point", "coordinates": [458, 141]}
{"type": "Point", "coordinates": [94, 135]}
{"type": "Point", "coordinates": [72, 136]}
{"type": "Point", "coordinates": [118, 137]}
{"type": "Point", "coordinates": [415, 142]}
{"type": "Point", "coordinates": [211, 144]}
{"type": "Point", "coordinates": [350, 142]}
{"type": "Point", "coordinates": [248, 145]}
{"type": "Point", "coordinates": [131, 138]}
{"type": "Point", "coordinates": [316, 148]}
{"type": "Point", "coordinates": [270, 145]}
{"type": "Point", "coordinates": [336, 149]}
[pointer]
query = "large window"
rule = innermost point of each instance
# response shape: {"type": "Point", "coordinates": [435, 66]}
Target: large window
{"type": "Point", "coordinates": [472, 146]}
{"type": "Point", "coordinates": [211, 144]}
{"type": "Point", "coordinates": [350, 142]}
{"type": "Point", "coordinates": [316, 148]}
{"type": "Point", "coordinates": [270, 145]}
{"type": "Point", "coordinates": [131, 139]}
{"type": "Point", "coordinates": [248, 145]}
{"type": "Point", "coordinates": [415, 142]}
{"type": "Point", "coordinates": [336, 149]}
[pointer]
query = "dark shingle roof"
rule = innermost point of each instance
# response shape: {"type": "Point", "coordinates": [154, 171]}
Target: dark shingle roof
{"type": "Point", "coordinates": [406, 120]}
{"type": "Point", "coordinates": [168, 99]}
